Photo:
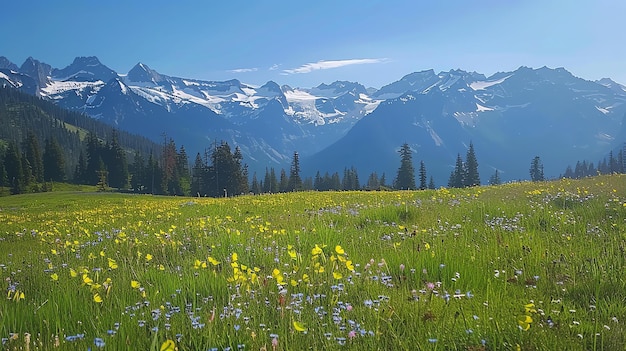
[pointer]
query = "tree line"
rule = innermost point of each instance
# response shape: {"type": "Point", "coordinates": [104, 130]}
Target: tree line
{"type": "Point", "coordinates": [614, 163]}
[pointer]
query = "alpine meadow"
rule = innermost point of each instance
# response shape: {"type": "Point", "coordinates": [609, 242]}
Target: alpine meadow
{"type": "Point", "coordinates": [282, 175]}
{"type": "Point", "coordinates": [519, 266]}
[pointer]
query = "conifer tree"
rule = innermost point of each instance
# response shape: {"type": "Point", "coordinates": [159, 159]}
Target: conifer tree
{"type": "Point", "coordinates": [405, 178]}
{"type": "Point", "coordinates": [283, 186]}
{"type": "Point", "coordinates": [295, 181]}
{"type": "Point", "coordinates": [199, 177]}
{"type": "Point", "coordinates": [422, 175]}
{"type": "Point", "coordinates": [14, 170]}
{"type": "Point", "coordinates": [536, 170]}
{"type": "Point", "coordinates": [372, 182]}
{"type": "Point", "coordinates": [116, 162]}
{"type": "Point", "coordinates": [137, 171]}
{"type": "Point", "coordinates": [471, 168]}
{"type": "Point", "coordinates": [53, 161]}
{"type": "Point", "coordinates": [431, 183]}
{"type": "Point", "coordinates": [458, 175]}
{"type": "Point", "coordinates": [495, 178]}
{"type": "Point", "coordinates": [255, 187]}
{"type": "Point", "coordinates": [32, 152]}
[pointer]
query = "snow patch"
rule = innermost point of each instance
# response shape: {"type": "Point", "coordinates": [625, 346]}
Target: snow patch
{"type": "Point", "coordinates": [482, 85]}
{"type": "Point", "coordinates": [481, 108]}
{"type": "Point", "coordinates": [603, 110]}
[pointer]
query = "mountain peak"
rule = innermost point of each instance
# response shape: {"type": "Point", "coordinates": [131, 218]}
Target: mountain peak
{"type": "Point", "coordinates": [39, 71]}
{"type": "Point", "coordinates": [85, 69]}
{"type": "Point", "coordinates": [5, 63]}
{"type": "Point", "coordinates": [142, 73]}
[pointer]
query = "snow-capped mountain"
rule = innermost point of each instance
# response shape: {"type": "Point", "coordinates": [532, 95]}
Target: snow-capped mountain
{"type": "Point", "coordinates": [268, 122]}
{"type": "Point", "coordinates": [510, 116]}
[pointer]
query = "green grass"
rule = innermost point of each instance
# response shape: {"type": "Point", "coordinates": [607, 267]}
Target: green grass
{"type": "Point", "coordinates": [520, 266]}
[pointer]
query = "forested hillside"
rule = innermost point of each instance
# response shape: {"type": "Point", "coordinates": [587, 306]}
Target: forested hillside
{"type": "Point", "coordinates": [38, 128]}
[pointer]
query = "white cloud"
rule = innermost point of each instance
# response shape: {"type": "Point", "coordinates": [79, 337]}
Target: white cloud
{"type": "Point", "coordinates": [244, 70]}
{"type": "Point", "coordinates": [309, 67]}
{"type": "Point", "coordinates": [274, 67]}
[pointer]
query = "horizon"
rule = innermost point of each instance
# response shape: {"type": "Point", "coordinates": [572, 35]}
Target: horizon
{"type": "Point", "coordinates": [305, 45]}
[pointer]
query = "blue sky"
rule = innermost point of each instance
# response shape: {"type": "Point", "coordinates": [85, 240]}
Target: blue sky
{"type": "Point", "coordinates": [304, 44]}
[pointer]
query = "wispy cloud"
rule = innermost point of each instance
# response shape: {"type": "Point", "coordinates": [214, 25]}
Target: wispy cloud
{"type": "Point", "coordinates": [323, 64]}
{"type": "Point", "coordinates": [243, 70]}
{"type": "Point", "coordinates": [274, 67]}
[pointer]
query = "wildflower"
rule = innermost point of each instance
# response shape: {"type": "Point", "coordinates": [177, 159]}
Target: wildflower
{"type": "Point", "coordinates": [524, 322]}
{"type": "Point", "coordinates": [97, 298]}
{"type": "Point", "coordinates": [351, 334]}
{"type": "Point", "coordinates": [135, 284]}
{"type": "Point", "coordinates": [54, 277]}
{"type": "Point", "coordinates": [339, 250]}
{"type": "Point", "coordinates": [337, 275]}
{"type": "Point", "coordinates": [148, 257]}
{"type": "Point", "coordinates": [299, 327]}
{"type": "Point", "coordinates": [168, 345]}
{"type": "Point", "coordinates": [99, 342]}
{"type": "Point", "coordinates": [316, 250]}
{"type": "Point", "coordinates": [112, 263]}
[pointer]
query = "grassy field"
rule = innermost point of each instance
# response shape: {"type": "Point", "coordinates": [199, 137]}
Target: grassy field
{"type": "Point", "coordinates": [525, 266]}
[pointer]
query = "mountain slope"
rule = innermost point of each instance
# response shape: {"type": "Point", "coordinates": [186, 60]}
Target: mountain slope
{"type": "Point", "coordinates": [510, 116]}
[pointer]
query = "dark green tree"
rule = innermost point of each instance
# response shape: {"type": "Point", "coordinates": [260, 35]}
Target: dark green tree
{"type": "Point", "coordinates": [405, 178]}
{"type": "Point", "coordinates": [431, 183]}
{"type": "Point", "coordinates": [472, 177]}
{"type": "Point", "coordinates": [80, 172]}
{"type": "Point", "coordinates": [137, 172]}
{"type": "Point", "coordinates": [422, 175]}
{"type": "Point", "coordinates": [495, 178]}
{"type": "Point", "coordinates": [14, 169]}
{"type": "Point", "coordinates": [458, 175]}
{"type": "Point", "coordinates": [32, 152]}
{"type": "Point", "coordinates": [295, 181]}
{"type": "Point", "coordinates": [116, 163]}
{"type": "Point", "coordinates": [283, 186]}
{"type": "Point", "coordinates": [53, 161]}
{"type": "Point", "coordinates": [255, 187]}
{"type": "Point", "coordinates": [536, 170]}
{"type": "Point", "coordinates": [199, 177]}
{"type": "Point", "coordinates": [372, 182]}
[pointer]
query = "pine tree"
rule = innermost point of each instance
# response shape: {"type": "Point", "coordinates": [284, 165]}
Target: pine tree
{"type": "Point", "coordinates": [80, 173]}
{"type": "Point", "coordinates": [431, 183]}
{"type": "Point", "coordinates": [373, 182]}
{"type": "Point", "coordinates": [182, 170]}
{"type": "Point", "coordinates": [471, 168]}
{"type": "Point", "coordinates": [495, 178]}
{"type": "Point", "coordinates": [283, 186]}
{"type": "Point", "coordinates": [53, 161]}
{"type": "Point", "coordinates": [137, 173]}
{"type": "Point", "coordinates": [536, 170]}
{"type": "Point", "coordinates": [94, 155]}
{"type": "Point", "coordinates": [295, 182]}
{"type": "Point", "coordinates": [32, 152]}
{"type": "Point", "coordinates": [317, 182]}
{"type": "Point", "coordinates": [405, 178]}
{"type": "Point", "coordinates": [255, 187]}
{"type": "Point", "coordinates": [458, 175]}
{"type": "Point", "coordinates": [199, 176]}
{"type": "Point", "coordinates": [422, 175]}
{"type": "Point", "coordinates": [14, 170]}
{"type": "Point", "coordinates": [117, 165]}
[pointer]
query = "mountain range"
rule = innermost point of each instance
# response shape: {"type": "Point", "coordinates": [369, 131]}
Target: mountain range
{"type": "Point", "coordinates": [510, 117]}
